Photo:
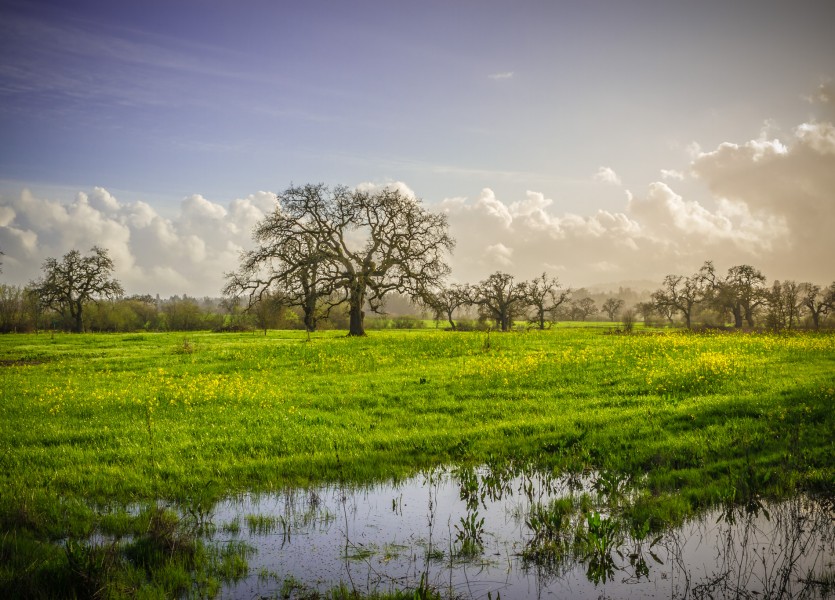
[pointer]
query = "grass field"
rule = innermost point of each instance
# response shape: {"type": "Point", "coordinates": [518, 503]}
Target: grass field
{"type": "Point", "coordinates": [93, 426]}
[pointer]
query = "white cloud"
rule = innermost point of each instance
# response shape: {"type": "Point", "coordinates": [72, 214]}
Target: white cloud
{"type": "Point", "coordinates": [499, 255]}
{"type": "Point", "coordinates": [766, 202]}
{"type": "Point", "coordinates": [786, 185]}
{"type": "Point", "coordinates": [7, 215]}
{"type": "Point", "coordinates": [369, 186]}
{"type": "Point", "coordinates": [502, 75]}
{"type": "Point", "coordinates": [672, 174]}
{"type": "Point", "coordinates": [186, 254]}
{"type": "Point", "coordinates": [607, 175]}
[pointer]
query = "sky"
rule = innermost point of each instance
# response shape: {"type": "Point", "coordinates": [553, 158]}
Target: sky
{"type": "Point", "coordinates": [602, 142]}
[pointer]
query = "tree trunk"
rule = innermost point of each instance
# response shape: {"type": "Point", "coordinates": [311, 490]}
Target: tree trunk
{"type": "Point", "coordinates": [309, 310]}
{"type": "Point", "coordinates": [449, 318]}
{"type": "Point", "coordinates": [79, 323]}
{"type": "Point", "coordinates": [356, 314]}
{"type": "Point", "coordinates": [737, 312]}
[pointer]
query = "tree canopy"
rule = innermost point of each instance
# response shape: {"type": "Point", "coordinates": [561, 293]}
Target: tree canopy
{"type": "Point", "coordinates": [323, 245]}
{"type": "Point", "coordinates": [67, 286]}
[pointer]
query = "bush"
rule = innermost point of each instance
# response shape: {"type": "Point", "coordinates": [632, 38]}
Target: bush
{"type": "Point", "coordinates": [628, 320]}
{"type": "Point", "coordinates": [407, 322]}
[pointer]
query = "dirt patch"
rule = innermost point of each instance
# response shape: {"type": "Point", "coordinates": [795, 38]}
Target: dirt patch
{"type": "Point", "coordinates": [20, 362]}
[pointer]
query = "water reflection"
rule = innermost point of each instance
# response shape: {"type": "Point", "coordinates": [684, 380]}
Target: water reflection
{"type": "Point", "coordinates": [519, 533]}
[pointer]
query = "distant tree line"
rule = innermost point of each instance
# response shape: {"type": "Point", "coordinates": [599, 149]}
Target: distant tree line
{"type": "Point", "coordinates": [741, 296]}
{"type": "Point", "coordinates": [324, 257]}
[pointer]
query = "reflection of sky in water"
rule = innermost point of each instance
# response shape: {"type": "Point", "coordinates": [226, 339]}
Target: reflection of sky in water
{"type": "Point", "coordinates": [389, 534]}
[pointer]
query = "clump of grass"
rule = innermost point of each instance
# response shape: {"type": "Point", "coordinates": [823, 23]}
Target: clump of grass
{"type": "Point", "coordinates": [186, 347]}
{"type": "Point", "coordinates": [263, 524]}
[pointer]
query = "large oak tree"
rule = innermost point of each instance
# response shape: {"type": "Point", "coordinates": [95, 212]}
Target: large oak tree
{"type": "Point", "coordinates": [341, 245]}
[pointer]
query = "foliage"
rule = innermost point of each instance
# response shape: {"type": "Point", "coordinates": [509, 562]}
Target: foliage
{"type": "Point", "coordinates": [500, 299]}
{"type": "Point", "coordinates": [611, 307]}
{"type": "Point", "coordinates": [544, 295]}
{"type": "Point", "coordinates": [339, 245]}
{"type": "Point", "coordinates": [67, 286]}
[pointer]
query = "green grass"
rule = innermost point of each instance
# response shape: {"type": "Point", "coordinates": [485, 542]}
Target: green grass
{"type": "Point", "coordinates": [91, 424]}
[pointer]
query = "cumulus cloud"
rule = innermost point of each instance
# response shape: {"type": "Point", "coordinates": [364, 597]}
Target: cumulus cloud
{"type": "Point", "coordinates": [672, 174]}
{"type": "Point", "coordinates": [791, 182]}
{"type": "Point", "coordinates": [368, 186]}
{"type": "Point", "coordinates": [152, 254]}
{"type": "Point", "coordinates": [607, 175]}
{"type": "Point", "coordinates": [767, 202]}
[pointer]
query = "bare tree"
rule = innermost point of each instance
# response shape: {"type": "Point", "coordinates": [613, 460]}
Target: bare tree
{"type": "Point", "coordinates": [818, 302]}
{"type": "Point", "coordinates": [352, 246]}
{"type": "Point", "coordinates": [14, 310]}
{"type": "Point", "coordinates": [285, 267]}
{"type": "Point", "coordinates": [611, 307]}
{"type": "Point", "coordinates": [740, 292]}
{"type": "Point", "coordinates": [445, 300]}
{"type": "Point", "coordinates": [785, 301]}
{"type": "Point", "coordinates": [679, 294]}
{"type": "Point", "coordinates": [583, 308]}
{"type": "Point", "coordinates": [646, 310]}
{"type": "Point", "coordinates": [67, 286]}
{"type": "Point", "coordinates": [500, 298]}
{"type": "Point", "coordinates": [544, 296]}
{"type": "Point", "coordinates": [268, 311]}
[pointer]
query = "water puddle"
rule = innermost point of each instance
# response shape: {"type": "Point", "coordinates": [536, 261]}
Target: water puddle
{"type": "Point", "coordinates": [487, 534]}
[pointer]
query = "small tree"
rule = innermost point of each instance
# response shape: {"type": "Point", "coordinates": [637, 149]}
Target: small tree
{"type": "Point", "coordinates": [289, 267]}
{"type": "Point", "coordinates": [741, 292]}
{"type": "Point", "coordinates": [646, 310]}
{"type": "Point", "coordinates": [500, 299]}
{"type": "Point", "coordinates": [611, 307]}
{"type": "Point", "coordinates": [67, 286]}
{"type": "Point", "coordinates": [545, 295]}
{"type": "Point", "coordinates": [818, 302]}
{"type": "Point", "coordinates": [444, 301]}
{"type": "Point", "coordinates": [268, 311]}
{"type": "Point", "coordinates": [583, 308]}
{"type": "Point", "coordinates": [679, 294]}
{"type": "Point", "coordinates": [15, 310]}
{"type": "Point", "coordinates": [784, 301]}
{"type": "Point", "coordinates": [628, 320]}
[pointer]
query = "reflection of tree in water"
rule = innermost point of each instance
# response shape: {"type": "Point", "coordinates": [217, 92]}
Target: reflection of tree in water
{"type": "Point", "coordinates": [784, 550]}
{"type": "Point", "coordinates": [559, 535]}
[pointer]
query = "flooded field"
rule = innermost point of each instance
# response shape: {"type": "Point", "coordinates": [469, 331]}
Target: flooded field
{"type": "Point", "coordinates": [485, 533]}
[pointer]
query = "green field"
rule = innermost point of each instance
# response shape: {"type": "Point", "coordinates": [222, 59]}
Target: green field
{"type": "Point", "coordinates": [93, 426]}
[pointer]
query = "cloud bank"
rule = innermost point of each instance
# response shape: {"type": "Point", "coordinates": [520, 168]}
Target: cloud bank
{"type": "Point", "coordinates": [151, 253]}
{"type": "Point", "coordinates": [766, 203]}
{"type": "Point", "coordinates": [769, 203]}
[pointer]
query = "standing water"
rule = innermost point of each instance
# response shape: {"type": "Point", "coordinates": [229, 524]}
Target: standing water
{"type": "Point", "coordinates": [479, 533]}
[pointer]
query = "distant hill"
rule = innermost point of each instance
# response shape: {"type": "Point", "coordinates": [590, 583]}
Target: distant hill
{"type": "Point", "coordinates": [639, 286]}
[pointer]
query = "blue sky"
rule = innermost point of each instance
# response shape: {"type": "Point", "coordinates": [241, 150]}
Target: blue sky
{"type": "Point", "coordinates": [538, 118]}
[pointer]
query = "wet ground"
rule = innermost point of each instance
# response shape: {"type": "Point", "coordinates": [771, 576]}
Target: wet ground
{"type": "Point", "coordinates": [485, 533]}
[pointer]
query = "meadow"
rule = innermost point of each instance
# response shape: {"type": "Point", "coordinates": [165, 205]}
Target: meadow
{"type": "Point", "coordinates": [126, 435]}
